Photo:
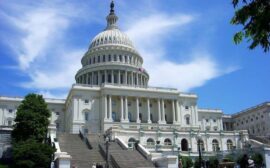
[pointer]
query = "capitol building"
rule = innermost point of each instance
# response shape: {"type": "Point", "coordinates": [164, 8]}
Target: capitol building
{"type": "Point", "coordinates": [111, 96]}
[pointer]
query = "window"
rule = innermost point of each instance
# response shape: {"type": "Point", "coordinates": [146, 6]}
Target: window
{"type": "Point", "coordinates": [229, 144]}
{"type": "Point", "coordinates": [114, 58]}
{"type": "Point", "coordinates": [120, 58]}
{"type": "Point", "coordinates": [90, 61]}
{"type": "Point", "coordinates": [86, 101]}
{"type": "Point", "coordinates": [10, 110]}
{"type": "Point", "coordinates": [113, 103]}
{"type": "Point", "coordinates": [246, 121]}
{"type": "Point", "coordinates": [215, 145]}
{"type": "Point", "coordinates": [256, 118]}
{"type": "Point", "coordinates": [104, 58]}
{"type": "Point", "coordinates": [86, 116]}
{"type": "Point", "coordinates": [186, 107]}
{"type": "Point", "coordinates": [207, 120]}
{"type": "Point", "coordinates": [167, 142]}
{"type": "Point", "coordinates": [94, 60]}
{"type": "Point", "coordinates": [109, 58]}
{"type": "Point", "coordinates": [215, 120]}
{"type": "Point", "coordinates": [187, 120]}
{"type": "Point", "coordinates": [251, 119]}
{"type": "Point", "coordinates": [261, 116]}
{"type": "Point", "coordinates": [165, 106]}
{"type": "Point", "coordinates": [150, 142]}
{"type": "Point", "coordinates": [129, 103]}
{"type": "Point", "coordinates": [150, 105]}
{"type": "Point", "coordinates": [140, 104]}
{"type": "Point", "coordinates": [215, 128]}
{"type": "Point", "coordinates": [57, 113]}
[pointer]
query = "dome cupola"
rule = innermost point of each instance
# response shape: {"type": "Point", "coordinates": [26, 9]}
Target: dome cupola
{"type": "Point", "coordinates": [112, 59]}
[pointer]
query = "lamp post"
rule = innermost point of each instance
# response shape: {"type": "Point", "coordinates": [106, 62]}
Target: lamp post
{"type": "Point", "coordinates": [199, 137]}
{"type": "Point", "coordinates": [107, 151]}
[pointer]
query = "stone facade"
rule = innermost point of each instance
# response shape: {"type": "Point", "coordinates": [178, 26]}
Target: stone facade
{"type": "Point", "coordinates": [112, 95]}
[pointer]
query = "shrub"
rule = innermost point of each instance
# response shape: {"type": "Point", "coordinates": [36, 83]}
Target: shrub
{"type": "Point", "coordinates": [213, 161]}
{"type": "Point", "coordinates": [258, 159]}
{"type": "Point", "coordinates": [186, 161]}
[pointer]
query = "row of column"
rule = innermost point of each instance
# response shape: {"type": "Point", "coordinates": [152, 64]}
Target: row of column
{"type": "Point", "coordinates": [176, 112]}
{"type": "Point", "coordinates": [114, 58]}
{"type": "Point", "coordinates": [113, 76]}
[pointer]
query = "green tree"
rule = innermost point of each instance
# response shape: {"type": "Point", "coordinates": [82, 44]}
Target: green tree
{"type": "Point", "coordinates": [32, 119]}
{"type": "Point", "coordinates": [186, 161]}
{"type": "Point", "coordinates": [32, 154]}
{"type": "Point", "coordinates": [258, 159]}
{"type": "Point", "coordinates": [254, 16]}
{"type": "Point", "coordinates": [213, 161]}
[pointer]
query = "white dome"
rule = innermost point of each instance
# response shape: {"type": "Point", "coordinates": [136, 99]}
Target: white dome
{"type": "Point", "coordinates": [111, 37]}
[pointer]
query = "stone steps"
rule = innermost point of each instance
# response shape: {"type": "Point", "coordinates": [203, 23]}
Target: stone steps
{"type": "Point", "coordinates": [122, 158]}
{"type": "Point", "coordinates": [82, 157]}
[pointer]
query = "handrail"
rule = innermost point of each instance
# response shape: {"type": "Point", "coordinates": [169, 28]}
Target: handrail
{"type": "Point", "coordinates": [144, 151]}
{"type": "Point", "coordinates": [121, 143]}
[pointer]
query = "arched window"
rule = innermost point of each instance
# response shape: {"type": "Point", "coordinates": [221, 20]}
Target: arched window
{"type": "Point", "coordinates": [187, 118]}
{"type": "Point", "coordinates": [200, 144]}
{"type": "Point", "coordinates": [229, 144]}
{"type": "Point", "coordinates": [150, 142]}
{"type": "Point", "coordinates": [131, 142]}
{"type": "Point", "coordinates": [215, 145]}
{"type": "Point", "coordinates": [167, 142]}
{"type": "Point", "coordinates": [184, 145]}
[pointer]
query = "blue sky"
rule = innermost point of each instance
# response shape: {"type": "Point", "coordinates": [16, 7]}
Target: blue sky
{"type": "Point", "coordinates": [185, 45]}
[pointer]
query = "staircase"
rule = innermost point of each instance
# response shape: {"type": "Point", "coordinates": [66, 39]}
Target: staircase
{"type": "Point", "coordinates": [121, 158]}
{"type": "Point", "coordinates": [262, 139]}
{"type": "Point", "coordinates": [82, 156]}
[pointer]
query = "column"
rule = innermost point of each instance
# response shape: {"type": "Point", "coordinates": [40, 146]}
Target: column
{"type": "Point", "coordinates": [99, 77]}
{"type": "Point", "coordinates": [140, 79]}
{"type": "Point", "coordinates": [173, 111]}
{"type": "Point", "coordinates": [126, 109]}
{"type": "Point", "coordinates": [126, 78]}
{"type": "Point", "coordinates": [87, 76]}
{"type": "Point", "coordinates": [132, 78]}
{"type": "Point", "coordinates": [112, 77]}
{"type": "Point", "coordinates": [163, 111]}
{"type": "Point", "coordinates": [122, 109]}
{"type": "Point", "coordinates": [148, 111]}
{"type": "Point", "coordinates": [159, 112]}
{"type": "Point", "coordinates": [119, 77]}
{"type": "Point", "coordinates": [137, 79]}
{"type": "Point", "coordinates": [92, 76]}
{"type": "Point", "coordinates": [105, 107]}
{"type": "Point", "coordinates": [221, 124]}
{"type": "Point", "coordinates": [110, 107]}
{"type": "Point", "coordinates": [137, 111]}
{"type": "Point", "coordinates": [105, 76]}
{"type": "Point", "coordinates": [177, 112]}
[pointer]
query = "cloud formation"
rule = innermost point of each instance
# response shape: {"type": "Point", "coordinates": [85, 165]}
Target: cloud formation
{"type": "Point", "coordinates": [151, 41]}
{"type": "Point", "coordinates": [43, 53]}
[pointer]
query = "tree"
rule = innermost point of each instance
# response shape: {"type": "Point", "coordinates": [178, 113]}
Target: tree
{"type": "Point", "coordinates": [32, 154]}
{"type": "Point", "coordinates": [258, 159]}
{"type": "Point", "coordinates": [186, 161]}
{"type": "Point", "coordinates": [29, 134]}
{"type": "Point", "coordinates": [254, 15]}
{"type": "Point", "coordinates": [32, 119]}
{"type": "Point", "coordinates": [213, 162]}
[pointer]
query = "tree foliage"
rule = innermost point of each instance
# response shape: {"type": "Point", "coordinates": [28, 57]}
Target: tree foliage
{"type": "Point", "coordinates": [31, 119]}
{"type": "Point", "coordinates": [258, 159]}
{"type": "Point", "coordinates": [29, 134]}
{"type": "Point", "coordinates": [254, 16]}
{"type": "Point", "coordinates": [32, 154]}
{"type": "Point", "coordinates": [186, 162]}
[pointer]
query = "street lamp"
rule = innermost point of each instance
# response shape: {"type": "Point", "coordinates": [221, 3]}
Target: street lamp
{"type": "Point", "coordinates": [107, 151]}
{"type": "Point", "coordinates": [199, 139]}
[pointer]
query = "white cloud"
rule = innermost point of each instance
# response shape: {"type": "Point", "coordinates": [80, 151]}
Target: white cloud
{"type": "Point", "coordinates": [149, 35]}
{"type": "Point", "coordinates": [48, 94]}
{"type": "Point", "coordinates": [51, 64]}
